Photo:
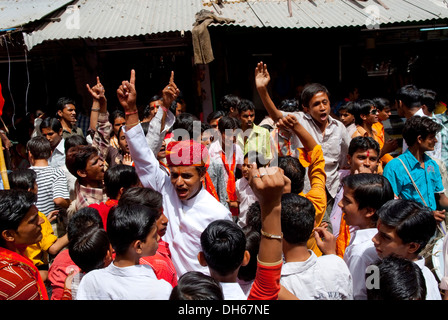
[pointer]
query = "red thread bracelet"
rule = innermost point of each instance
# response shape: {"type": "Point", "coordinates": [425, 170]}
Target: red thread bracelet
{"type": "Point", "coordinates": [129, 113]}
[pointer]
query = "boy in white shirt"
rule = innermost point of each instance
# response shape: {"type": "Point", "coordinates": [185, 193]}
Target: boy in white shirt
{"type": "Point", "coordinates": [404, 229]}
{"type": "Point", "coordinates": [304, 274]}
{"type": "Point", "coordinates": [224, 252]}
{"type": "Point", "coordinates": [132, 231]}
{"type": "Point", "coordinates": [364, 194]}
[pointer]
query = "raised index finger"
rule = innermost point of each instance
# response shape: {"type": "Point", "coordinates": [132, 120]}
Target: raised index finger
{"type": "Point", "coordinates": [132, 79]}
{"type": "Point", "coordinates": [172, 77]}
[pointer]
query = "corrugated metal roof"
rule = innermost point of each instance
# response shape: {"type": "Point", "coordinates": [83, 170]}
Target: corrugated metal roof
{"type": "Point", "coordinates": [15, 13]}
{"type": "Point", "coordinates": [97, 19]}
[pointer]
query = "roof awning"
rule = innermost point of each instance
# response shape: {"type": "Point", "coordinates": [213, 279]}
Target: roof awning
{"type": "Point", "coordinates": [102, 19]}
{"type": "Point", "coordinates": [14, 13]}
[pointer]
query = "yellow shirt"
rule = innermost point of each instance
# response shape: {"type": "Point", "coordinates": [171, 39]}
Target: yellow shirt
{"type": "Point", "coordinates": [317, 195]}
{"type": "Point", "coordinates": [37, 252]}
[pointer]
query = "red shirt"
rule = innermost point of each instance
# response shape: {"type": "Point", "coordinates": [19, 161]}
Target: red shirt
{"type": "Point", "coordinates": [162, 264]}
{"type": "Point", "coordinates": [104, 208]}
{"type": "Point", "coordinates": [59, 270]}
{"type": "Point", "coordinates": [267, 283]}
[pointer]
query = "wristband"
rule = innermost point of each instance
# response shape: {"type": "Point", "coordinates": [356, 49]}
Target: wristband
{"type": "Point", "coordinates": [95, 110]}
{"type": "Point", "coordinates": [272, 236]}
{"type": "Point", "coordinates": [132, 112]}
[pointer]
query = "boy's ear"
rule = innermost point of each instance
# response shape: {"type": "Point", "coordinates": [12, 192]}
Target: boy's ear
{"type": "Point", "coordinates": [246, 258]}
{"type": "Point", "coordinates": [81, 173]}
{"type": "Point", "coordinates": [7, 235]}
{"type": "Point", "coordinates": [349, 159]}
{"type": "Point", "coordinates": [137, 245]}
{"type": "Point", "coordinates": [201, 259]}
{"type": "Point", "coordinates": [413, 247]}
{"type": "Point", "coordinates": [369, 212]}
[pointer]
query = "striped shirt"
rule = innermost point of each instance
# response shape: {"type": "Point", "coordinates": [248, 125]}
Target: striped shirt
{"type": "Point", "coordinates": [51, 184]}
{"type": "Point", "coordinates": [17, 282]}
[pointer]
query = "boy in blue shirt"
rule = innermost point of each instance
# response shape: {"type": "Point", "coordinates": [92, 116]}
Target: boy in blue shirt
{"type": "Point", "coordinates": [420, 135]}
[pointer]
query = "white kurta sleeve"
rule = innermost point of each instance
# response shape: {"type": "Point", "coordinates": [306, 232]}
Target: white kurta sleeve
{"type": "Point", "coordinates": [146, 164]}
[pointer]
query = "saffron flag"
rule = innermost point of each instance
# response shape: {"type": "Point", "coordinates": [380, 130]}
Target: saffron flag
{"type": "Point", "coordinates": [2, 101]}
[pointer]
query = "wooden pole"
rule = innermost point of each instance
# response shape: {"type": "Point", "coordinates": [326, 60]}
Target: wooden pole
{"type": "Point", "coordinates": [3, 169]}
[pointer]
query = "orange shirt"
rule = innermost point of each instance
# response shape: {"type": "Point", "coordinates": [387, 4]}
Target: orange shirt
{"type": "Point", "coordinates": [379, 128]}
{"type": "Point", "coordinates": [315, 162]}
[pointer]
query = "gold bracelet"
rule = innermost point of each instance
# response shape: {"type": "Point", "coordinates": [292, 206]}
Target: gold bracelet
{"type": "Point", "coordinates": [272, 236]}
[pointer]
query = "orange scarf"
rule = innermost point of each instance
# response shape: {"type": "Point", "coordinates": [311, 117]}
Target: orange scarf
{"type": "Point", "coordinates": [208, 185]}
{"type": "Point", "coordinates": [15, 257]}
{"type": "Point", "coordinates": [231, 190]}
{"type": "Point", "coordinates": [343, 238]}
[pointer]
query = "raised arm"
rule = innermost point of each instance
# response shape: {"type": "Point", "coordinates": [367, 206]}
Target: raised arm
{"type": "Point", "coordinates": [99, 119]}
{"type": "Point", "coordinates": [268, 184]}
{"type": "Point", "coordinates": [145, 161]}
{"type": "Point", "coordinates": [290, 122]}
{"type": "Point", "coordinates": [262, 79]}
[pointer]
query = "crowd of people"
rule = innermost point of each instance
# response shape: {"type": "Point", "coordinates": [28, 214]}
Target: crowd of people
{"type": "Point", "coordinates": [315, 202]}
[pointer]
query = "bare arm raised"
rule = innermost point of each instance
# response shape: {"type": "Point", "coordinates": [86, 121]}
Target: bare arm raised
{"type": "Point", "coordinates": [262, 79]}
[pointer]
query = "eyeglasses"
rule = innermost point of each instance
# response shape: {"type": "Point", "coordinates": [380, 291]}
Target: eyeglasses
{"type": "Point", "coordinates": [374, 111]}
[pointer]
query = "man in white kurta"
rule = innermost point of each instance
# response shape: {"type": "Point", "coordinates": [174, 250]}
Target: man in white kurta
{"type": "Point", "coordinates": [187, 218]}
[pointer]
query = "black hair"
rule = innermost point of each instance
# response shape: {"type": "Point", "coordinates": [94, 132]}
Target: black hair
{"type": "Point", "coordinates": [73, 141]}
{"type": "Point", "coordinates": [117, 177]}
{"type": "Point", "coordinates": [412, 221]}
{"type": "Point", "coordinates": [399, 279]}
{"type": "Point", "coordinates": [89, 249]}
{"type": "Point", "coordinates": [76, 158]}
{"type": "Point", "coordinates": [289, 105]}
{"type": "Point", "coordinates": [253, 238]}
{"type": "Point", "coordinates": [360, 108]}
{"type": "Point", "coordinates": [229, 101]}
{"type": "Point", "coordinates": [143, 196]}
{"type": "Point", "coordinates": [347, 106]}
{"type": "Point", "coordinates": [60, 104]}
{"type": "Point", "coordinates": [83, 219]}
{"type": "Point", "coordinates": [410, 96]}
{"type": "Point", "coordinates": [297, 218]}
{"type": "Point", "coordinates": [363, 143]}
{"type": "Point", "coordinates": [381, 103]}
{"type": "Point", "coordinates": [429, 99]}
{"type": "Point", "coordinates": [245, 105]}
{"type": "Point", "coordinates": [223, 244]}
{"type": "Point", "coordinates": [52, 123]}
{"type": "Point", "coordinates": [39, 147]}
{"type": "Point", "coordinates": [310, 90]}
{"type": "Point", "coordinates": [22, 179]}
{"type": "Point", "coordinates": [185, 121]}
{"type": "Point", "coordinates": [215, 115]}
{"type": "Point", "coordinates": [417, 126]}
{"type": "Point", "coordinates": [128, 223]}
{"type": "Point", "coordinates": [227, 122]}
{"type": "Point", "coordinates": [257, 157]}
{"type": "Point", "coordinates": [253, 216]}
{"type": "Point", "coordinates": [369, 190]}
{"type": "Point", "coordinates": [194, 285]}
{"type": "Point", "coordinates": [14, 206]}
{"type": "Point", "coordinates": [294, 170]}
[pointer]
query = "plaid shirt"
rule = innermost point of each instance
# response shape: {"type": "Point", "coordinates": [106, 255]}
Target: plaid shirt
{"type": "Point", "coordinates": [84, 197]}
